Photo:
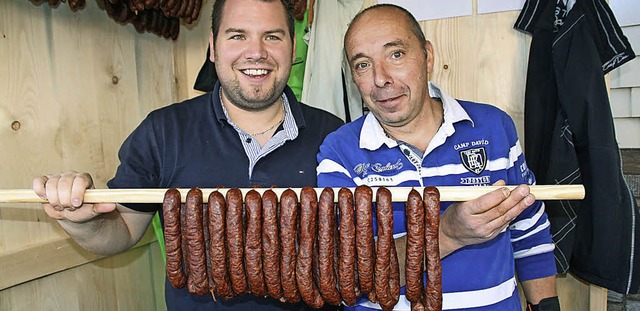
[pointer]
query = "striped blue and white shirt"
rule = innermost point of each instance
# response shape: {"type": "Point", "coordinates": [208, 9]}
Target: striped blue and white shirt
{"type": "Point", "coordinates": [476, 145]}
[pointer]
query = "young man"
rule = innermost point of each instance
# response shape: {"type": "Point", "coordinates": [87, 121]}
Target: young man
{"type": "Point", "coordinates": [250, 131]}
{"type": "Point", "coordinates": [417, 135]}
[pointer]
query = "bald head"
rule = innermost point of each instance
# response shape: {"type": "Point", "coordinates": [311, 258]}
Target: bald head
{"type": "Point", "coordinates": [371, 17]}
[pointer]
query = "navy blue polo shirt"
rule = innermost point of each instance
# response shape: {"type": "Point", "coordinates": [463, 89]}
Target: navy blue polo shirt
{"type": "Point", "coordinates": [191, 144]}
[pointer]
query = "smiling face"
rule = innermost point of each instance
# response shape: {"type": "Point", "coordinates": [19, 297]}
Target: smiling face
{"type": "Point", "coordinates": [389, 65]}
{"type": "Point", "coordinates": [253, 53]}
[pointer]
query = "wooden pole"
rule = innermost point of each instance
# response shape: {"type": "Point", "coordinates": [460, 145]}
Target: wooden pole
{"type": "Point", "coordinates": [399, 194]}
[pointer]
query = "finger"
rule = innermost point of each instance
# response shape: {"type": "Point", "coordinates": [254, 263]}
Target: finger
{"type": "Point", "coordinates": [81, 182]}
{"type": "Point", "coordinates": [53, 212]}
{"type": "Point", "coordinates": [65, 184]}
{"type": "Point", "coordinates": [38, 186]}
{"type": "Point", "coordinates": [499, 183]}
{"type": "Point", "coordinates": [486, 202]}
{"type": "Point", "coordinates": [104, 208]}
{"type": "Point", "coordinates": [79, 215]}
{"type": "Point", "coordinates": [517, 195]}
{"type": "Point", "coordinates": [51, 189]}
{"type": "Point", "coordinates": [519, 200]}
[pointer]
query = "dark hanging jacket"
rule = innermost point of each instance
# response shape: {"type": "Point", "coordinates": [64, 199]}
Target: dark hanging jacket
{"type": "Point", "coordinates": [570, 139]}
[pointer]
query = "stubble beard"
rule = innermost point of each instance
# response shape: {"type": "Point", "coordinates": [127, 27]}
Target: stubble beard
{"type": "Point", "coordinates": [254, 99]}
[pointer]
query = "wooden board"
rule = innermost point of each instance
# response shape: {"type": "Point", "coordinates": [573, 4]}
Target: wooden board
{"type": "Point", "coordinates": [74, 85]}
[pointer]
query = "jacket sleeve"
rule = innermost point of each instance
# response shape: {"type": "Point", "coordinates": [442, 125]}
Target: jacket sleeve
{"type": "Point", "coordinates": [530, 231]}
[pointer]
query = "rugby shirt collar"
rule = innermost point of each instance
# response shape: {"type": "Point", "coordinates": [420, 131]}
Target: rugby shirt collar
{"type": "Point", "coordinates": [372, 135]}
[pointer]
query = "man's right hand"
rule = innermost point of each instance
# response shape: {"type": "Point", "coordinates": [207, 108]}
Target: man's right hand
{"type": "Point", "coordinates": [65, 194]}
{"type": "Point", "coordinates": [481, 219]}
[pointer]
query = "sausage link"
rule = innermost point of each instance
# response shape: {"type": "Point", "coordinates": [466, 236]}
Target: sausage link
{"type": "Point", "coordinates": [418, 306]}
{"type": "Point", "coordinates": [187, 13]}
{"type": "Point", "coordinates": [217, 245]}
{"type": "Point", "coordinates": [326, 247]}
{"type": "Point", "coordinates": [384, 216]}
{"type": "Point", "coordinates": [394, 274]}
{"type": "Point", "coordinates": [173, 238]}
{"type": "Point", "coordinates": [364, 238]}
{"type": "Point", "coordinates": [196, 11]}
{"type": "Point", "coordinates": [197, 280]}
{"type": "Point", "coordinates": [433, 295]}
{"type": "Point", "coordinates": [207, 247]}
{"type": "Point", "coordinates": [235, 243]}
{"type": "Point", "coordinates": [253, 243]}
{"type": "Point", "coordinates": [347, 254]}
{"type": "Point", "coordinates": [304, 269]}
{"type": "Point", "coordinates": [181, 12]}
{"type": "Point", "coordinates": [414, 260]}
{"type": "Point", "coordinates": [288, 229]}
{"type": "Point", "coordinates": [168, 6]}
{"type": "Point", "coordinates": [271, 244]}
{"type": "Point", "coordinates": [183, 233]}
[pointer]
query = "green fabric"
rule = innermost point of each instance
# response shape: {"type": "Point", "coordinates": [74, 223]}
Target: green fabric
{"type": "Point", "coordinates": [296, 78]}
{"type": "Point", "coordinates": [157, 228]}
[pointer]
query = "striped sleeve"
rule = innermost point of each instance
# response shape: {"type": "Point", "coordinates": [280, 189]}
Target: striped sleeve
{"type": "Point", "coordinates": [330, 171]}
{"type": "Point", "coordinates": [530, 231]}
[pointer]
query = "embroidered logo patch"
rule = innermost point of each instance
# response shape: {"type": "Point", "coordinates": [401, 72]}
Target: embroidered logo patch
{"type": "Point", "coordinates": [474, 159]}
{"type": "Point", "coordinates": [362, 169]}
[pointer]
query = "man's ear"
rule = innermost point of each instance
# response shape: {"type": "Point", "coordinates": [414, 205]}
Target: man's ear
{"type": "Point", "coordinates": [293, 57]}
{"type": "Point", "coordinates": [428, 47]}
{"type": "Point", "coordinates": [211, 48]}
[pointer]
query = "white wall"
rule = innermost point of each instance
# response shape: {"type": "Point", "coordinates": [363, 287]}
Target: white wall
{"type": "Point", "coordinates": [625, 80]}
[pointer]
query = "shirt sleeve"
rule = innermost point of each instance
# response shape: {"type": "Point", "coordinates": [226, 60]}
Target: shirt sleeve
{"type": "Point", "coordinates": [530, 231]}
{"type": "Point", "coordinates": [139, 164]}
{"type": "Point", "coordinates": [331, 171]}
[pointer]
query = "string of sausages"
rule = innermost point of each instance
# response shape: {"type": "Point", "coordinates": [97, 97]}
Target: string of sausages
{"type": "Point", "coordinates": [310, 249]}
{"type": "Point", "coordinates": [160, 17]}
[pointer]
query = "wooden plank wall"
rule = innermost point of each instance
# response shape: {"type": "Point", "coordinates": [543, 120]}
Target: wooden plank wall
{"type": "Point", "coordinates": [73, 85]}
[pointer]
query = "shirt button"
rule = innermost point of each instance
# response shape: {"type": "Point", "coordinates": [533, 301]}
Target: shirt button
{"type": "Point", "coordinates": [407, 152]}
{"type": "Point", "coordinates": [248, 140]}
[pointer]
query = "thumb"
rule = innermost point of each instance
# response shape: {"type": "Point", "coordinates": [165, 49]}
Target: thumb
{"type": "Point", "coordinates": [499, 183]}
{"type": "Point", "coordinates": [103, 208]}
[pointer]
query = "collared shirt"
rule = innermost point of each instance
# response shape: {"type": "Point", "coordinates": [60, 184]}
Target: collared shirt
{"type": "Point", "coordinates": [476, 145]}
{"type": "Point", "coordinates": [286, 131]}
{"type": "Point", "coordinates": [373, 135]}
{"type": "Point", "coordinates": [191, 144]}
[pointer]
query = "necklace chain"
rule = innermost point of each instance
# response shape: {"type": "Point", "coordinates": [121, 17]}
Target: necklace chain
{"type": "Point", "coordinates": [273, 126]}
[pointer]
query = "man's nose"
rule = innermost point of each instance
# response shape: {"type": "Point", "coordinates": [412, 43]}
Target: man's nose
{"type": "Point", "coordinates": [381, 75]}
{"type": "Point", "coordinates": [256, 50]}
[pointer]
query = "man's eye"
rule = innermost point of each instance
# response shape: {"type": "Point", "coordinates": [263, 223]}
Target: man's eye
{"type": "Point", "coordinates": [361, 65]}
{"type": "Point", "coordinates": [273, 38]}
{"type": "Point", "coordinates": [397, 54]}
{"type": "Point", "coordinates": [237, 37]}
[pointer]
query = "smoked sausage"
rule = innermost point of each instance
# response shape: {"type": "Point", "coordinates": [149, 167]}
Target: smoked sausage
{"type": "Point", "coordinates": [326, 247]}
{"type": "Point", "coordinates": [433, 297]}
{"type": "Point", "coordinates": [173, 238]}
{"type": "Point", "coordinates": [271, 244]}
{"type": "Point", "coordinates": [304, 261]}
{"type": "Point", "coordinates": [217, 245]}
{"type": "Point", "coordinates": [253, 243]}
{"type": "Point", "coordinates": [197, 280]}
{"type": "Point", "coordinates": [288, 229]}
{"type": "Point", "coordinates": [364, 238]}
{"type": "Point", "coordinates": [235, 242]}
